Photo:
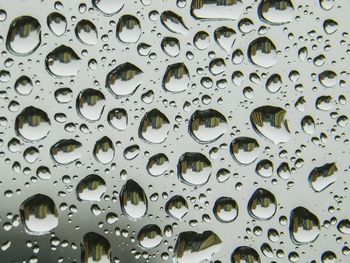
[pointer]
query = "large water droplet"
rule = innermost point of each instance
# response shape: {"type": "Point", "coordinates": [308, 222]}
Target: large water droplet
{"type": "Point", "coordinates": [118, 119]}
{"type": "Point", "coordinates": [57, 23]}
{"type": "Point", "coordinates": [196, 247]}
{"type": "Point", "coordinates": [245, 150]}
{"type": "Point", "coordinates": [194, 168]}
{"type": "Point", "coordinates": [176, 78]}
{"type": "Point", "coordinates": [39, 214]}
{"type": "Point", "coordinates": [32, 124]}
{"type": "Point", "coordinates": [269, 121]}
{"type": "Point", "coordinates": [63, 62]}
{"type": "Point", "coordinates": [133, 200]}
{"type": "Point", "coordinates": [91, 188]}
{"type": "Point", "coordinates": [262, 204]}
{"type": "Point", "coordinates": [322, 177]}
{"type": "Point", "coordinates": [304, 226]}
{"type": "Point", "coordinates": [124, 79]}
{"type": "Point", "coordinates": [154, 127]}
{"type": "Point", "coordinates": [177, 207]}
{"type": "Point", "coordinates": [129, 29]}
{"type": "Point", "coordinates": [104, 150]}
{"type": "Point", "coordinates": [90, 104]}
{"type": "Point", "coordinates": [24, 35]}
{"type": "Point", "coordinates": [158, 164]}
{"type": "Point", "coordinates": [262, 52]}
{"type": "Point", "coordinates": [245, 254]}
{"type": "Point", "coordinates": [276, 12]}
{"type": "Point", "coordinates": [216, 9]}
{"type": "Point", "coordinates": [95, 249]}
{"type": "Point", "coordinates": [24, 85]}
{"type": "Point", "coordinates": [108, 7]}
{"type": "Point", "coordinates": [225, 209]}
{"type": "Point", "coordinates": [150, 236]}
{"type": "Point", "coordinates": [344, 226]}
{"type": "Point", "coordinates": [66, 151]}
{"type": "Point", "coordinates": [274, 83]}
{"type": "Point", "coordinates": [86, 32]}
{"type": "Point", "coordinates": [173, 22]}
{"type": "Point", "coordinates": [225, 37]}
{"type": "Point", "coordinates": [207, 125]}
{"type": "Point", "coordinates": [171, 46]}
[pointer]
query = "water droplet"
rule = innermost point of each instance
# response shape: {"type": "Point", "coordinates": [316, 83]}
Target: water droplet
{"type": "Point", "coordinates": [344, 226]}
{"type": "Point", "coordinates": [124, 79]}
{"type": "Point", "coordinates": [216, 9]}
{"type": "Point", "coordinates": [63, 62]}
{"type": "Point", "coordinates": [154, 127]}
{"type": "Point", "coordinates": [118, 119]}
{"type": "Point", "coordinates": [225, 37]}
{"type": "Point", "coordinates": [329, 257]}
{"type": "Point", "coordinates": [262, 204]}
{"type": "Point", "coordinates": [57, 23]}
{"type": "Point", "coordinates": [245, 254]}
{"type": "Point", "coordinates": [171, 46]}
{"type": "Point", "coordinates": [330, 26]}
{"type": "Point", "coordinates": [91, 188]}
{"type": "Point", "coordinates": [327, 4]}
{"type": "Point", "coordinates": [133, 200]}
{"type": "Point", "coordinates": [108, 7]}
{"type": "Point", "coordinates": [24, 36]}
{"type": "Point", "coordinates": [177, 207]}
{"type": "Point", "coordinates": [276, 12]}
{"type": "Point", "coordinates": [207, 125]}
{"type": "Point", "coordinates": [66, 151]}
{"type": "Point", "coordinates": [194, 168]}
{"type": "Point", "coordinates": [32, 124]}
{"type": "Point", "coordinates": [129, 29]}
{"type": "Point", "coordinates": [196, 247]}
{"type": "Point", "coordinates": [304, 226]}
{"type": "Point", "coordinates": [150, 236]}
{"type": "Point", "coordinates": [173, 22]}
{"type": "Point", "coordinates": [324, 103]}
{"type": "Point", "coordinates": [270, 122]}
{"type": "Point", "coordinates": [201, 40]}
{"type": "Point", "coordinates": [24, 85]}
{"type": "Point", "coordinates": [245, 150]}
{"type": "Point", "coordinates": [104, 150]}
{"type": "Point", "coordinates": [264, 168]}
{"type": "Point", "coordinates": [64, 95]}
{"type": "Point", "coordinates": [95, 248]}
{"type": "Point", "coordinates": [86, 32]}
{"type": "Point", "coordinates": [308, 125]}
{"type": "Point", "coordinates": [39, 214]}
{"type": "Point", "coordinates": [131, 152]}
{"type": "Point", "coordinates": [328, 78]}
{"type": "Point", "coordinates": [176, 78]}
{"type": "Point", "coordinates": [322, 177]}
{"type": "Point", "coordinates": [225, 209]}
{"type": "Point", "coordinates": [158, 164]}
{"type": "Point", "coordinates": [274, 83]}
{"type": "Point", "coordinates": [262, 52]}
{"type": "Point", "coordinates": [90, 104]}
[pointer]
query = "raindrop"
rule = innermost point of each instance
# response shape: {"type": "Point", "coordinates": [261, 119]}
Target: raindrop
{"type": "Point", "coordinates": [171, 46]}
{"type": "Point", "coordinates": [177, 207]}
{"type": "Point", "coordinates": [86, 32]}
{"type": "Point", "coordinates": [262, 204]}
{"type": "Point", "coordinates": [150, 236]}
{"type": "Point", "coordinates": [245, 254]}
{"type": "Point", "coordinates": [173, 22]}
{"type": "Point", "coordinates": [129, 29]}
{"type": "Point", "coordinates": [322, 177]}
{"type": "Point", "coordinates": [57, 23]}
{"type": "Point", "coordinates": [91, 188]}
{"type": "Point", "coordinates": [344, 226]}
{"type": "Point", "coordinates": [176, 78]}
{"type": "Point", "coordinates": [64, 95]}
{"type": "Point", "coordinates": [108, 7]}
{"type": "Point", "coordinates": [225, 209]}
{"type": "Point", "coordinates": [262, 52]}
{"type": "Point", "coordinates": [158, 164]}
{"type": "Point", "coordinates": [274, 83]}
{"type": "Point", "coordinates": [133, 200]}
{"type": "Point", "coordinates": [66, 151]}
{"type": "Point", "coordinates": [245, 150]}
{"type": "Point", "coordinates": [276, 12]}
{"type": "Point", "coordinates": [118, 119]}
{"type": "Point", "coordinates": [24, 85]}
{"type": "Point", "coordinates": [95, 248]}
{"type": "Point", "coordinates": [225, 37]}
{"type": "Point", "coordinates": [216, 9]}
{"type": "Point", "coordinates": [328, 78]}
{"type": "Point", "coordinates": [104, 150]}
{"type": "Point", "coordinates": [201, 40]}
{"type": "Point", "coordinates": [90, 104]}
{"type": "Point", "coordinates": [264, 168]}
{"type": "Point", "coordinates": [308, 125]}
{"type": "Point", "coordinates": [154, 127]}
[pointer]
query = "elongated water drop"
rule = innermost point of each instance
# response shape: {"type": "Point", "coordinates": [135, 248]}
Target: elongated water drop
{"type": "Point", "coordinates": [158, 164]}
{"type": "Point", "coordinates": [133, 200]}
{"type": "Point", "coordinates": [276, 12]}
{"type": "Point", "coordinates": [57, 23]}
{"type": "Point", "coordinates": [322, 177]}
{"type": "Point", "coordinates": [216, 9]}
{"type": "Point", "coordinates": [95, 249]}
{"type": "Point", "coordinates": [66, 151]}
{"type": "Point", "coordinates": [173, 22]}
{"type": "Point", "coordinates": [225, 37]}
{"type": "Point", "coordinates": [104, 150]}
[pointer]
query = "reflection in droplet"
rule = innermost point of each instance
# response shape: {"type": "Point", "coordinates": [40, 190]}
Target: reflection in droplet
{"type": "Point", "coordinates": [328, 78]}
{"type": "Point", "coordinates": [322, 177]}
{"type": "Point", "coordinates": [196, 247]}
{"type": "Point", "coordinates": [245, 254]}
{"type": "Point", "coordinates": [207, 125]}
{"type": "Point", "coordinates": [63, 62]}
{"type": "Point", "coordinates": [264, 168]}
{"type": "Point", "coordinates": [225, 37]}
{"type": "Point", "coordinates": [32, 124]}
{"type": "Point", "coordinates": [128, 29]}
{"type": "Point", "coordinates": [66, 151]}
{"type": "Point", "coordinates": [176, 78]}
{"type": "Point", "coordinates": [177, 207]}
{"type": "Point", "coordinates": [245, 150]}
{"type": "Point", "coordinates": [150, 236]}
{"type": "Point", "coordinates": [173, 22]}
{"type": "Point", "coordinates": [86, 32]}
{"type": "Point", "coordinates": [133, 200]}
{"type": "Point", "coordinates": [64, 95]}
{"type": "Point", "coordinates": [216, 9]}
{"type": "Point", "coordinates": [104, 150]}
{"type": "Point", "coordinates": [308, 124]}
{"type": "Point", "coordinates": [201, 40]}
{"type": "Point", "coordinates": [124, 79]}
{"type": "Point", "coordinates": [118, 119]}
{"type": "Point", "coordinates": [90, 104]}
{"type": "Point", "coordinates": [194, 168]}
{"type": "Point", "coordinates": [304, 226]}
{"type": "Point", "coordinates": [344, 226]}
{"type": "Point", "coordinates": [154, 127]}
{"type": "Point", "coordinates": [262, 52]}
{"type": "Point", "coordinates": [274, 83]}
{"type": "Point", "coordinates": [158, 164]}
{"type": "Point", "coordinates": [276, 12]}
{"type": "Point", "coordinates": [95, 249]}
{"type": "Point", "coordinates": [57, 23]}
{"type": "Point", "coordinates": [39, 214]}
{"type": "Point", "coordinates": [270, 122]}
{"type": "Point", "coordinates": [91, 188]}
{"type": "Point", "coordinates": [131, 152]}
{"type": "Point", "coordinates": [262, 204]}
{"type": "Point", "coordinates": [108, 7]}
{"type": "Point", "coordinates": [225, 209]}
{"type": "Point", "coordinates": [171, 46]}
{"type": "Point", "coordinates": [24, 35]}
{"type": "Point", "coordinates": [24, 85]}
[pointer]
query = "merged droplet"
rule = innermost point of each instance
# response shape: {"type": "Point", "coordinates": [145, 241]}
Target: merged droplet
{"type": "Point", "coordinates": [177, 207]}
{"type": "Point", "coordinates": [86, 32]}
{"type": "Point", "coordinates": [262, 52]}
{"type": "Point", "coordinates": [108, 7]}
{"type": "Point", "coordinates": [304, 226]}
{"type": "Point", "coordinates": [322, 177]}
{"type": "Point", "coordinates": [276, 12]}
{"type": "Point", "coordinates": [225, 209]}
{"type": "Point", "coordinates": [216, 9]}
{"type": "Point", "coordinates": [194, 168]}
{"type": "Point", "coordinates": [129, 29]}
{"type": "Point", "coordinates": [91, 188]}
{"type": "Point", "coordinates": [95, 249]}
{"type": "Point", "coordinates": [262, 204]}
{"type": "Point", "coordinates": [207, 125]}
{"type": "Point", "coordinates": [245, 150]}
{"type": "Point", "coordinates": [24, 35]}
{"type": "Point", "coordinates": [154, 127]}
{"type": "Point", "coordinates": [196, 247]}
{"type": "Point", "coordinates": [104, 150]}
{"type": "Point", "coordinates": [173, 22]}
{"type": "Point", "coordinates": [176, 78]}
{"type": "Point", "coordinates": [245, 254]}
{"type": "Point", "coordinates": [32, 124]}
{"type": "Point", "coordinates": [124, 79]}
{"type": "Point", "coordinates": [39, 214]}
{"type": "Point", "coordinates": [90, 104]}
{"type": "Point", "coordinates": [57, 23]}
{"type": "Point", "coordinates": [158, 164]}
{"type": "Point", "coordinates": [63, 62]}
{"type": "Point", "coordinates": [270, 122]}
{"type": "Point", "coordinates": [150, 236]}
{"type": "Point", "coordinates": [66, 151]}
{"type": "Point", "coordinates": [118, 119]}
{"type": "Point", "coordinates": [133, 200]}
